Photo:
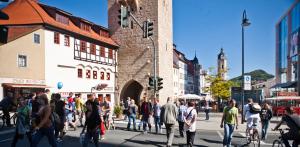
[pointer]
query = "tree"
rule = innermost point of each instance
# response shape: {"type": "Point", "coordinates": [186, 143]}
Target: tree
{"type": "Point", "coordinates": [219, 88]}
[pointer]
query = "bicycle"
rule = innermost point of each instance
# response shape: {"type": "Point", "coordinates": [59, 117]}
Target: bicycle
{"type": "Point", "coordinates": [280, 141]}
{"type": "Point", "coordinates": [253, 137]}
{"type": "Point", "coordinates": [13, 118]}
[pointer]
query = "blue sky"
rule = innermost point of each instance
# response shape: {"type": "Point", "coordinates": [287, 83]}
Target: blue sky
{"type": "Point", "coordinates": [208, 25]}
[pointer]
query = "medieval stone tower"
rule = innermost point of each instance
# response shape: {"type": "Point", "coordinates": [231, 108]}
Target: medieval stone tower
{"type": "Point", "coordinates": [222, 65]}
{"type": "Point", "coordinates": [135, 55]}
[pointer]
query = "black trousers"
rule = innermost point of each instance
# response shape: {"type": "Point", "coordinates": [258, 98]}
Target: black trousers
{"type": "Point", "coordinates": [18, 136]}
{"type": "Point", "coordinates": [190, 136]}
{"type": "Point", "coordinates": [181, 124]}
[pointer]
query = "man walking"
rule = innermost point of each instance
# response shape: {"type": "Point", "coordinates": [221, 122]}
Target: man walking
{"type": "Point", "coordinates": [168, 117]}
{"type": "Point", "coordinates": [146, 111]}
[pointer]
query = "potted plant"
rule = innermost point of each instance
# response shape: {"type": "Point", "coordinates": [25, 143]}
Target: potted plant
{"type": "Point", "coordinates": [118, 111]}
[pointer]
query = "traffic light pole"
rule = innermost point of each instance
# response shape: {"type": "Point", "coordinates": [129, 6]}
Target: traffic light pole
{"type": "Point", "coordinates": [154, 53]}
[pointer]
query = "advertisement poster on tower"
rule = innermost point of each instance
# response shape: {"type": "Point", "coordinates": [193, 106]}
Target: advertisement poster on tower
{"type": "Point", "coordinates": [295, 43]}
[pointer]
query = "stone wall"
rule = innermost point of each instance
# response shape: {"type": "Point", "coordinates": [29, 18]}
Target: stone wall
{"type": "Point", "coordinates": [135, 52]}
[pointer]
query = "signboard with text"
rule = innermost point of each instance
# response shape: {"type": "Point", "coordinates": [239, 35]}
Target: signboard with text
{"type": "Point", "coordinates": [247, 82]}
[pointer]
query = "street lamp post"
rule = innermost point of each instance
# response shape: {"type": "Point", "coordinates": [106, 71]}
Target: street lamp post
{"type": "Point", "coordinates": [245, 22]}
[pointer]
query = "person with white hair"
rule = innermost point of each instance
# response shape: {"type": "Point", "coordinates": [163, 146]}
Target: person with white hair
{"type": "Point", "coordinates": [168, 117]}
{"type": "Point", "coordinates": [132, 109]}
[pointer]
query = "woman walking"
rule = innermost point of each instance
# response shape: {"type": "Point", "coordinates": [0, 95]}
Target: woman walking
{"type": "Point", "coordinates": [266, 115]}
{"type": "Point", "coordinates": [190, 123]}
{"type": "Point", "coordinates": [92, 123]}
{"type": "Point", "coordinates": [229, 121]}
{"type": "Point", "coordinates": [23, 122]}
{"type": "Point", "coordinates": [43, 124]}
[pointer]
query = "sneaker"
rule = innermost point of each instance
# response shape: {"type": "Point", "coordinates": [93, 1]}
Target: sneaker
{"type": "Point", "coordinates": [145, 132]}
{"type": "Point", "coordinates": [102, 138]}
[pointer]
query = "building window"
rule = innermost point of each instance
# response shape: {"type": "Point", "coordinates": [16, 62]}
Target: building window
{"type": "Point", "coordinates": [56, 38]}
{"type": "Point", "coordinates": [36, 38]}
{"type": "Point", "coordinates": [82, 46]}
{"type": "Point", "coordinates": [102, 51]}
{"type": "Point", "coordinates": [102, 75]}
{"type": "Point", "coordinates": [95, 74]}
{"type": "Point", "coordinates": [79, 73]}
{"type": "Point", "coordinates": [67, 40]}
{"type": "Point", "coordinates": [22, 61]}
{"type": "Point", "coordinates": [85, 26]}
{"type": "Point", "coordinates": [88, 74]}
{"type": "Point", "coordinates": [93, 49]}
{"type": "Point", "coordinates": [107, 76]}
{"type": "Point", "coordinates": [62, 19]}
{"type": "Point", "coordinates": [110, 54]}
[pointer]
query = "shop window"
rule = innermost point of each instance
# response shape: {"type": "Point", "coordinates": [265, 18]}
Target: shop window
{"type": "Point", "coordinates": [56, 37]}
{"type": "Point", "coordinates": [82, 46]}
{"type": "Point", "coordinates": [100, 97]}
{"type": "Point", "coordinates": [108, 97]}
{"type": "Point", "coordinates": [36, 38]}
{"type": "Point", "coordinates": [22, 61]}
{"type": "Point", "coordinates": [108, 76]}
{"type": "Point", "coordinates": [93, 49]}
{"type": "Point", "coordinates": [95, 74]}
{"type": "Point", "coordinates": [102, 51]}
{"type": "Point", "coordinates": [67, 40]}
{"type": "Point", "coordinates": [88, 74]}
{"type": "Point", "coordinates": [102, 75]}
{"type": "Point", "coordinates": [79, 73]}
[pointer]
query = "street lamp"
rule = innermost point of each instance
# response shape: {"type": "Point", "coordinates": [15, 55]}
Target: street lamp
{"type": "Point", "coordinates": [245, 23]}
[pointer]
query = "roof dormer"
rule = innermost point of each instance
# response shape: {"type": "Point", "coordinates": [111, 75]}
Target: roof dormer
{"type": "Point", "coordinates": [59, 17]}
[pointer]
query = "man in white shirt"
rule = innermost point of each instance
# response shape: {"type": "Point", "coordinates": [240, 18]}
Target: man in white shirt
{"type": "Point", "coordinates": [251, 118]}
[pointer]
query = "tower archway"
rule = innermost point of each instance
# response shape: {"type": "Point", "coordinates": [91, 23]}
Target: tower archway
{"type": "Point", "coordinates": [132, 89]}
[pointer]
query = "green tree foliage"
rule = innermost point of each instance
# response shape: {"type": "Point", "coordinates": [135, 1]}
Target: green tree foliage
{"type": "Point", "coordinates": [219, 88]}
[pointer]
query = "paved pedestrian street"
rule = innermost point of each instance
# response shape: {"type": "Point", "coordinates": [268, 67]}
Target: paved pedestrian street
{"type": "Point", "coordinates": [208, 134]}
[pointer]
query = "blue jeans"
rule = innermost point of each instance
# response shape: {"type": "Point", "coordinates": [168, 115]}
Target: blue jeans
{"type": "Point", "coordinates": [88, 136]}
{"type": "Point", "coordinates": [228, 132]}
{"type": "Point", "coordinates": [145, 120]}
{"type": "Point", "coordinates": [157, 123]}
{"type": "Point", "coordinates": [264, 128]}
{"type": "Point", "coordinates": [133, 118]}
{"type": "Point", "coordinates": [39, 134]}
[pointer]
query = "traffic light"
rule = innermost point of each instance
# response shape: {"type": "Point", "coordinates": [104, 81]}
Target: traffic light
{"type": "Point", "coordinates": [151, 83]}
{"type": "Point", "coordinates": [147, 28]}
{"type": "Point", "coordinates": [123, 16]}
{"type": "Point", "coordinates": [159, 83]}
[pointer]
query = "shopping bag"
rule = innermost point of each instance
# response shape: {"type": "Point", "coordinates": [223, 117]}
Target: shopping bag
{"type": "Point", "coordinates": [102, 128]}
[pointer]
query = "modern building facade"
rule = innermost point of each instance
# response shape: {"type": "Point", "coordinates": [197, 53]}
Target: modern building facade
{"type": "Point", "coordinates": [46, 45]}
{"type": "Point", "coordinates": [287, 49]}
{"type": "Point", "coordinates": [136, 53]}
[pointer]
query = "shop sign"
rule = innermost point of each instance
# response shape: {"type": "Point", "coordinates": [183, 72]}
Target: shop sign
{"type": "Point", "coordinates": [284, 93]}
{"type": "Point", "coordinates": [28, 81]}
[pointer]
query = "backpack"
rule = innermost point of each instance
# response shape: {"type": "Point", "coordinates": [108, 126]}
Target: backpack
{"type": "Point", "coordinates": [254, 108]}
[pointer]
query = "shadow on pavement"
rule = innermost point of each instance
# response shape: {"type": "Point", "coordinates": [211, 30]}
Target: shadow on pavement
{"type": "Point", "coordinates": [213, 141]}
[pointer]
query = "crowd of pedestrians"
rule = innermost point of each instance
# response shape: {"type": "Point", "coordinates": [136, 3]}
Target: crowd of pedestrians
{"type": "Point", "coordinates": [39, 116]}
{"type": "Point", "coordinates": [44, 114]}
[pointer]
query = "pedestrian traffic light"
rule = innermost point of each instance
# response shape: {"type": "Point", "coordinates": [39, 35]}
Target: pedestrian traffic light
{"type": "Point", "coordinates": [147, 29]}
{"type": "Point", "coordinates": [159, 83]}
{"type": "Point", "coordinates": [123, 16]}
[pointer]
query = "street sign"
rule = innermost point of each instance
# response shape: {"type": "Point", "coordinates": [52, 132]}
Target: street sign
{"type": "Point", "coordinates": [247, 82]}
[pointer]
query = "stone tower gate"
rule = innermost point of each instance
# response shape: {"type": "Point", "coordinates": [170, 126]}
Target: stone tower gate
{"type": "Point", "coordinates": [135, 56]}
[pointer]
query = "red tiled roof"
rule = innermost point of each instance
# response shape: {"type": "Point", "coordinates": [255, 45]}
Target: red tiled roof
{"type": "Point", "coordinates": [25, 12]}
